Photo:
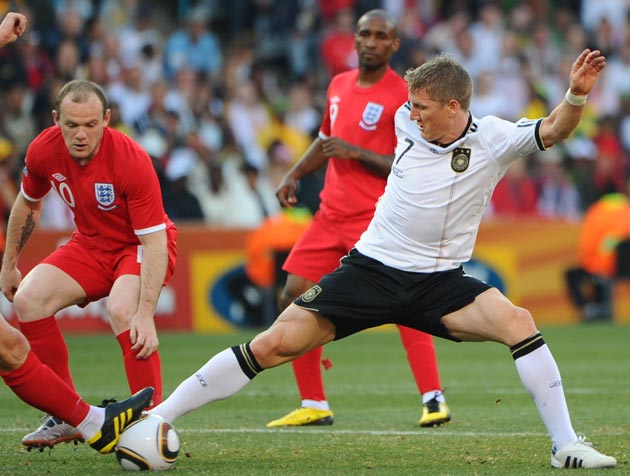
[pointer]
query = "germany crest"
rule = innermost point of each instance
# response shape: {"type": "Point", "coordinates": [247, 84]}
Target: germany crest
{"type": "Point", "coordinates": [460, 159]}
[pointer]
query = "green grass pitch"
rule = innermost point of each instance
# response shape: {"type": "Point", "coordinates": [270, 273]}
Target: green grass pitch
{"type": "Point", "coordinates": [495, 429]}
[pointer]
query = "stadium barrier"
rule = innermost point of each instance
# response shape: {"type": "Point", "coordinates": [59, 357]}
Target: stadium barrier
{"type": "Point", "coordinates": [525, 258]}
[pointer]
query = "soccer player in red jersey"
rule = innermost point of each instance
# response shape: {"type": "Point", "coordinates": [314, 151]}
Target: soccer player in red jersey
{"type": "Point", "coordinates": [357, 141]}
{"type": "Point", "coordinates": [123, 247]}
{"type": "Point", "coordinates": [24, 373]}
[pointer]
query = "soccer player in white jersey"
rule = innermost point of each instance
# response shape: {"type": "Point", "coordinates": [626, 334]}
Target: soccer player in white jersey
{"type": "Point", "coordinates": [407, 266]}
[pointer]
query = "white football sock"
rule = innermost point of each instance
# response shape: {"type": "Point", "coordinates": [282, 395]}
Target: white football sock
{"type": "Point", "coordinates": [540, 376]}
{"type": "Point", "coordinates": [219, 378]}
{"type": "Point", "coordinates": [316, 404]}
{"type": "Point", "coordinates": [437, 394]}
{"type": "Point", "coordinates": [92, 422]}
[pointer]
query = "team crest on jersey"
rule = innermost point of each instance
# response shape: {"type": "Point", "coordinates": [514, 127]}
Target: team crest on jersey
{"type": "Point", "coordinates": [105, 195]}
{"type": "Point", "coordinates": [311, 294]}
{"type": "Point", "coordinates": [371, 115]}
{"type": "Point", "coordinates": [460, 159]}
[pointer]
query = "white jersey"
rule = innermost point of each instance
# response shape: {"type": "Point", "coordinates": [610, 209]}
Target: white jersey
{"type": "Point", "coordinates": [427, 219]}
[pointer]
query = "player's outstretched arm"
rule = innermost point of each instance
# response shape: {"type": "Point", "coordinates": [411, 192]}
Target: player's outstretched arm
{"type": "Point", "coordinates": [566, 116]}
{"type": "Point", "coordinates": [22, 221]}
{"type": "Point", "coordinates": [12, 27]}
{"type": "Point", "coordinates": [312, 160]}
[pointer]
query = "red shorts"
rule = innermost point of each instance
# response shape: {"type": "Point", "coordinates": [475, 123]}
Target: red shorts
{"type": "Point", "coordinates": [96, 270]}
{"type": "Point", "coordinates": [322, 245]}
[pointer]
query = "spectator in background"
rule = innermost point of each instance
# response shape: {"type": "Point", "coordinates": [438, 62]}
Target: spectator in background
{"type": "Point", "coordinates": [558, 197]}
{"type": "Point", "coordinates": [606, 223]}
{"type": "Point", "coordinates": [611, 167]}
{"type": "Point", "coordinates": [68, 61]}
{"type": "Point", "coordinates": [180, 204]}
{"type": "Point", "coordinates": [541, 53]}
{"type": "Point", "coordinates": [257, 289]}
{"type": "Point", "coordinates": [118, 14]}
{"type": "Point", "coordinates": [8, 186]}
{"type": "Point", "coordinates": [617, 80]}
{"type": "Point", "coordinates": [516, 194]}
{"type": "Point", "coordinates": [624, 124]}
{"type": "Point", "coordinates": [142, 43]}
{"type": "Point", "coordinates": [39, 68]}
{"type": "Point", "coordinates": [488, 98]}
{"type": "Point", "coordinates": [301, 112]}
{"type": "Point", "coordinates": [71, 26]}
{"type": "Point", "coordinates": [44, 102]}
{"type": "Point", "coordinates": [247, 115]}
{"type": "Point", "coordinates": [16, 120]}
{"type": "Point", "coordinates": [583, 153]}
{"type": "Point", "coordinates": [131, 94]}
{"type": "Point", "coordinates": [194, 46]}
{"type": "Point", "coordinates": [337, 47]}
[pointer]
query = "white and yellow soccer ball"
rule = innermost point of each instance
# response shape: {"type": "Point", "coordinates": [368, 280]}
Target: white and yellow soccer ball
{"type": "Point", "coordinates": [150, 443]}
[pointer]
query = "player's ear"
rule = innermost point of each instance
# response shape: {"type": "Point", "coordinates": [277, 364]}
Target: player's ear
{"type": "Point", "coordinates": [55, 116]}
{"type": "Point", "coordinates": [107, 116]}
{"type": "Point", "coordinates": [453, 106]}
{"type": "Point", "coordinates": [395, 45]}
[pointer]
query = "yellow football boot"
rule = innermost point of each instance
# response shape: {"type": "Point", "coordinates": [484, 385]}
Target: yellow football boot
{"type": "Point", "coordinates": [304, 416]}
{"type": "Point", "coordinates": [435, 413]}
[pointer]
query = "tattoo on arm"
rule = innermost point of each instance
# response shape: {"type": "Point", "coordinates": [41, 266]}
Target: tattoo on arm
{"type": "Point", "coordinates": [27, 230]}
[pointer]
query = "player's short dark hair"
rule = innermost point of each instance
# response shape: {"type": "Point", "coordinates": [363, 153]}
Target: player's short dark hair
{"type": "Point", "coordinates": [383, 15]}
{"type": "Point", "coordinates": [443, 79]}
{"type": "Point", "coordinates": [81, 91]}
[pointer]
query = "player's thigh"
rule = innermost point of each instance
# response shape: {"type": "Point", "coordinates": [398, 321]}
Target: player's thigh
{"type": "Point", "coordinates": [45, 290]}
{"type": "Point", "coordinates": [295, 332]}
{"type": "Point", "coordinates": [490, 317]}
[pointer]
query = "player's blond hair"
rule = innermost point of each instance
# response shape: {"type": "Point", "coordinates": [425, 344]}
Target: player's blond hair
{"type": "Point", "coordinates": [79, 92]}
{"type": "Point", "coordinates": [443, 79]}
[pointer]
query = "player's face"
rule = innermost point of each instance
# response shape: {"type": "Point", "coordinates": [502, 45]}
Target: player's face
{"type": "Point", "coordinates": [82, 126]}
{"type": "Point", "coordinates": [434, 120]}
{"type": "Point", "coordinates": [375, 41]}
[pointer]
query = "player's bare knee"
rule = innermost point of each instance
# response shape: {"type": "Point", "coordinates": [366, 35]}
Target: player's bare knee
{"type": "Point", "coordinates": [119, 315]}
{"type": "Point", "coordinates": [271, 348]}
{"type": "Point", "coordinates": [26, 304]}
{"type": "Point", "coordinates": [14, 350]}
{"type": "Point", "coordinates": [522, 324]}
{"type": "Point", "coordinates": [264, 346]}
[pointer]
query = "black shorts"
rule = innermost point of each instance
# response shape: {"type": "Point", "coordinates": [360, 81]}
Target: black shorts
{"type": "Point", "coordinates": [364, 293]}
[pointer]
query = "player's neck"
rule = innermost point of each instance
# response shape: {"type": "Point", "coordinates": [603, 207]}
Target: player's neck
{"type": "Point", "coordinates": [462, 124]}
{"type": "Point", "coordinates": [369, 78]}
{"type": "Point", "coordinates": [82, 162]}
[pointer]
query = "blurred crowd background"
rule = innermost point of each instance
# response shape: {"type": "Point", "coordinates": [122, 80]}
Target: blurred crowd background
{"type": "Point", "coordinates": [226, 95]}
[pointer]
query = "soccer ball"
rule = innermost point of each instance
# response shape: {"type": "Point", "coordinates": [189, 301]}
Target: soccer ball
{"type": "Point", "coordinates": [150, 443]}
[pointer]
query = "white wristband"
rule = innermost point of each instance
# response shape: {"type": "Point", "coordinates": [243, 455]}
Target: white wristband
{"type": "Point", "coordinates": [574, 99]}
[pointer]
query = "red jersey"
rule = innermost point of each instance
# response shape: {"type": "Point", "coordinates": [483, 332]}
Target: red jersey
{"type": "Point", "coordinates": [363, 117]}
{"type": "Point", "coordinates": [114, 198]}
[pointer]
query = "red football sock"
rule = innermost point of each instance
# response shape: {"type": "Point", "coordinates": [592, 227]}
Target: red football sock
{"type": "Point", "coordinates": [39, 386]}
{"type": "Point", "coordinates": [422, 359]}
{"type": "Point", "coordinates": [48, 343]}
{"type": "Point", "coordinates": [141, 373]}
{"type": "Point", "coordinates": [308, 375]}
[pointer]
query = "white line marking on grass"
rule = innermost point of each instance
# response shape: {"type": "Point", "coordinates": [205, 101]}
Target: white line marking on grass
{"type": "Point", "coordinates": [304, 431]}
